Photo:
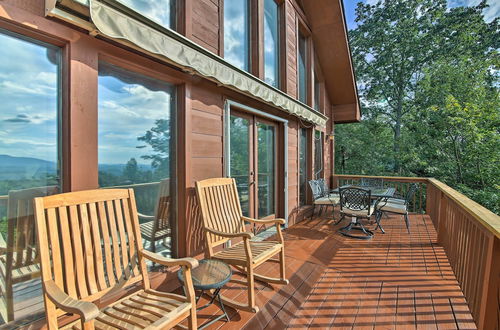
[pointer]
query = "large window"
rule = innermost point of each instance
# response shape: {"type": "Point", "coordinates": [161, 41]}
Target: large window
{"type": "Point", "coordinates": [136, 140]}
{"type": "Point", "coordinates": [237, 33]}
{"type": "Point", "coordinates": [302, 68]}
{"type": "Point", "coordinates": [30, 99]}
{"type": "Point", "coordinates": [271, 43]}
{"type": "Point", "coordinates": [303, 169]}
{"type": "Point", "coordinates": [162, 12]}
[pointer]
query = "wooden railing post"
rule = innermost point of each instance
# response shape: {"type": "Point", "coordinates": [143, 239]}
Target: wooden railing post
{"type": "Point", "coordinates": [441, 219]}
{"type": "Point", "coordinates": [489, 314]}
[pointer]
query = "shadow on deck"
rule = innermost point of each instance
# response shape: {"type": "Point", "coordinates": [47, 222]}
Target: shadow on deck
{"type": "Point", "coordinates": [395, 280]}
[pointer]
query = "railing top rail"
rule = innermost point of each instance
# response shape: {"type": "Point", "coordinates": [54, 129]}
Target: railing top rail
{"type": "Point", "coordinates": [487, 218]}
{"type": "Point", "coordinates": [390, 178]}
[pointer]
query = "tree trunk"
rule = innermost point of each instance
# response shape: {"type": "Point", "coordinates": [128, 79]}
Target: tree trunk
{"type": "Point", "coordinates": [397, 137]}
{"type": "Point", "coordinates": [342, 163]}
{"type": "Point", "coordinates": [460, 177]}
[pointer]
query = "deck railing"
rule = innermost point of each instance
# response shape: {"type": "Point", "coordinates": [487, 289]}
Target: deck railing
{"type": "Point", "coordinates": [470, 235]}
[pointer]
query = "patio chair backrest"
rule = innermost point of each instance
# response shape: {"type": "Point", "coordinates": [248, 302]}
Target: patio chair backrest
{"type": "Point", "coordinates": [372, 182]}
{"type": "Point", "coordinates": [410, 193]}
{"type": "Point", "coordinates": [163, 207]}
{"type": "Point", "coordinates": [21, 233]}
{"type": "Point", "coordinates": [316, 188]}
{"type": "Point", "coordinates": [355, 199]}
{"type": "Point", "coordinates": [220, 208]}
{"type": "Point", "coordinates": [90, 241]}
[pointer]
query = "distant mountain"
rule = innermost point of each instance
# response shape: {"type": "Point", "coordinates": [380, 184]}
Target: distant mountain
{"type": "Point", "coordinates": [14, 168]}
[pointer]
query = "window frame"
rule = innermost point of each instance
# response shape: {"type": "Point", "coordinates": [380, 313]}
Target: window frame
{"type": "Point", "coordinates": [179, 88]}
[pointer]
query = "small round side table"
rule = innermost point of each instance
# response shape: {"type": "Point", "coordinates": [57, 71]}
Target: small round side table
{"type": "Point", "coordinates": [211, 274]}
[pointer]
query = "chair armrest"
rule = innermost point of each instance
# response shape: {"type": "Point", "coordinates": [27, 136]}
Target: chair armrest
{"type": "Point", "coordinates": [269, 221]}
{"type": "Point", "coordinates": [168, 262]}
{"type": "Point", "coordinates": [145, 217]}
{"type": "Point", "coordinates": [245, 235]}
{"type": "Point", "coordinates": [87, 310]}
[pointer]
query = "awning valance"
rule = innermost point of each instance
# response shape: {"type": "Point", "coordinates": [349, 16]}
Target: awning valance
{"type": "Point", "coordinates": [179, 51]}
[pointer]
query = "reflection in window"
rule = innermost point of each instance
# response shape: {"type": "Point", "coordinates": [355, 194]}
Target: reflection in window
{"type": "Point", "coordinates": [303, 166]}
{"type": "Point", "coordinates": [271, 43]}
{"type": "Point", "coordinates": [240, 166]}
{"type": "Point", "coordinates": [162, 12]}
{"type": "Point", "coordinates": [136, 117]}
{"type": "Point", "coordinates": [266, 169]}
{"type": "Point", "coordinates": [29, 163]}
{"type": "Point", "coordinates": [302, 68]}
{"type": "Point", "coordinates": [237, 33]}
{"type": "Point", "coordinates": [318, 154]}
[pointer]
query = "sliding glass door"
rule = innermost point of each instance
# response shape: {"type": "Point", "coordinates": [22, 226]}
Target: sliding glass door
{"type": "Point", "coordinates": [253, 163]}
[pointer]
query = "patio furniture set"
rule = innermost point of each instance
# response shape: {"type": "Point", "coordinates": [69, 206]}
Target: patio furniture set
{"type": "Point", "coordinates": [90, 245]}
{"type": "Point", "coordinates": [362, 201]}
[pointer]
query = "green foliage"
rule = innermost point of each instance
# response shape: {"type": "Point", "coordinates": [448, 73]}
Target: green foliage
{"type": "Point", "coordinates": [430, 95]}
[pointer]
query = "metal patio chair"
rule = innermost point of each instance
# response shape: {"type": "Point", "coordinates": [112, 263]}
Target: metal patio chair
{"type": "Point", "coordinates": [357, 204]}
{"type": "Point", "coordinates": [396, 206]}
{"type": "Point", "coordinates": [322, 196]}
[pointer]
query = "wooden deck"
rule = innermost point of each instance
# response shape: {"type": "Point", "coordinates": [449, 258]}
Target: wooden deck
{"type": "Point", "coordinates": [394, 281]}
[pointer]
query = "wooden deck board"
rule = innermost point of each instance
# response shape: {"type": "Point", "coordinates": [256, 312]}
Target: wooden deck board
{"type": "Point", "coordinates": [393, 281]}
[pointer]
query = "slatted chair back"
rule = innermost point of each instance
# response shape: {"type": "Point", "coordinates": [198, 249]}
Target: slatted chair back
{"type": "Point", "coordinates": [355, 199]}
{"type": "Point", "coordinates": [316, 189]}
{"type": "Point", "coordinates": [89, 242]}
{"type": "Point", "coordinates": [220, 208]}
{"type": "Point", "coordinates": [21, 233]}
{"type": "Point", "coordinates": [163, 207]}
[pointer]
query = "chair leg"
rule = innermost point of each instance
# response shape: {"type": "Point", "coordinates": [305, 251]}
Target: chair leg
{"type": "Point", "coordinates": [192, 321]}
{"type": "Point", "coordinates": [340, 220]}
{"type": "Point", "coordinates": [312, 214]}
{"type": "Point", "coordinates": [282, 263]}
{"type": "Point", "coordinates": [251, 287]}
{"type": "Point", "coordinates": [378, 217]}
{"type": "Point", "coordinates": [407, 223]}
{"type": "Point", "coordinates": [9, 299]}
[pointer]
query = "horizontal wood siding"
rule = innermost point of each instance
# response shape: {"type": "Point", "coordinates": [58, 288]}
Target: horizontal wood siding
{"type": "Point", "coordinates": [205, 24]}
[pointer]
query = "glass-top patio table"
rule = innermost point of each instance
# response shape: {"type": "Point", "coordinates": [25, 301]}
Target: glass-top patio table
{"type": "Point", "coordinates": [376, 192]}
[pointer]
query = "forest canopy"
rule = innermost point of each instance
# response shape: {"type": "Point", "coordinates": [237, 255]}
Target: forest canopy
{"type": "Point", "coordinates": [428, 81]}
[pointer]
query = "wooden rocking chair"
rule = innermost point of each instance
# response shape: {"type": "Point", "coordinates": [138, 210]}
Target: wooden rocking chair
{"type": "Point", "coordinates": [90, 246]}
{"type": "Point", "coordinates": [19, 256]}
{"type": "Point", "coordinates": [223, 221]}
{"type": "Point", "coordinates": [157, 226]}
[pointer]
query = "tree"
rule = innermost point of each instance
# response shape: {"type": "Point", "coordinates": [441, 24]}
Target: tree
{"type": "Point", "coordinates": [159, 138]}
{"type": "Point", "coordinates": [131, 171]}
{"type": "Point", "coordinates": [394, 41]}
{"type": "Point", "coordinates": [429, 77]}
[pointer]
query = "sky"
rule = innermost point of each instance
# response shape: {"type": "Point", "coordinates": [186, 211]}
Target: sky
{"type": "Point", "coordinates": [489, 13]}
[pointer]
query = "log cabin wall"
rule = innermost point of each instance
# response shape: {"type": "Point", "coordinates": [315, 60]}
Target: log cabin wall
{"type": "Point", "coordinates": [200, 109]}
